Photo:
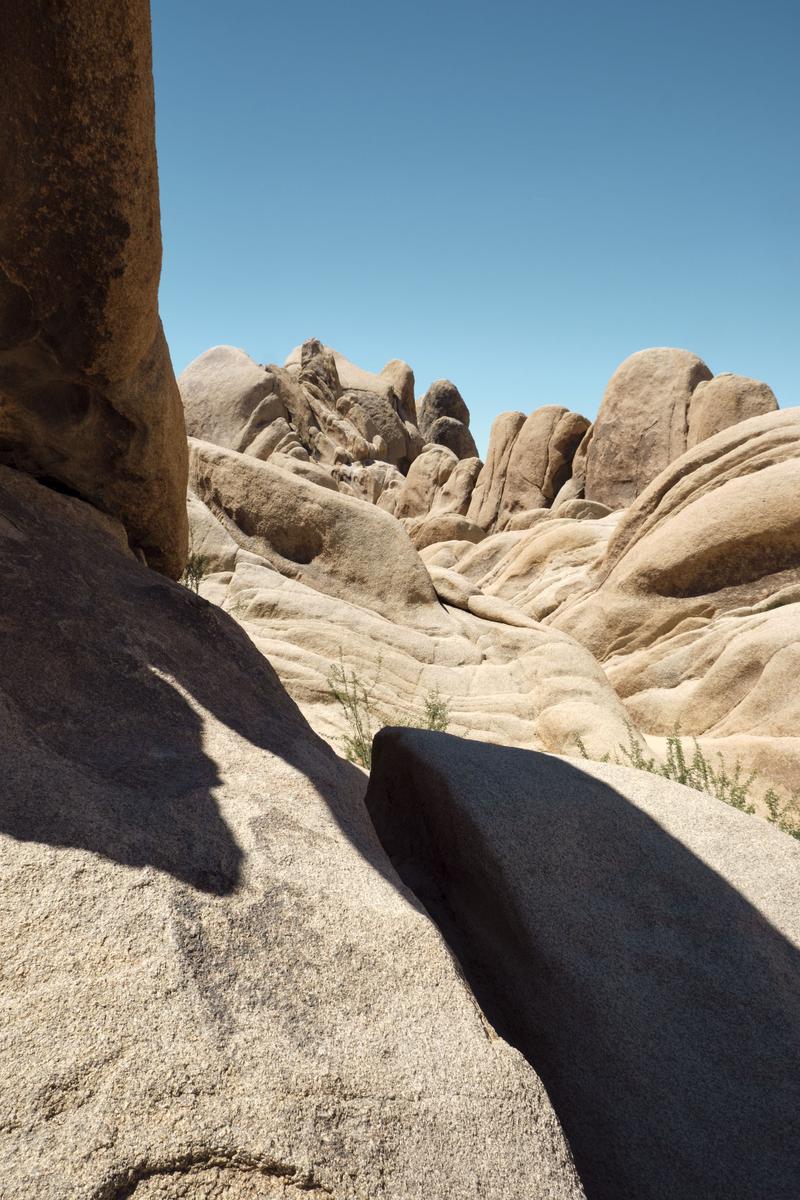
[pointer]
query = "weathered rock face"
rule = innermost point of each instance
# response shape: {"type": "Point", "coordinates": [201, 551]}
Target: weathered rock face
{"type": "Point", "coordinates": [214, 982]}
{"type": "Point", "coordinates": [541, 568]}
{"type": "Point", "coordinates": [444, 419]}
{"type": "Point", "coordinates": [642, 423]}
{"type": "Point", "coordinates": [658, 404]}
{"type": "Point", "coordinates": [724, 401]}
{"type": "Point", "coordinates": [446, 431]}
{"type": "Point", "coordinates": [437, 483]}
{"type": "Point", "coordinates": [694, 607]}
{"type": "Point", "coordinates": [338, 422]}
{"type": "Point", "coordinates": [637, 940]}
{"type": "Point", "coordinates": [395, 382]}
{"type": "Point", "coordinates": [528, 462]}
{"type": "Point", "coordinates": [717, 530]}
{"type": "Point", "coordinates": [230, 400]}
{"type": "Point", "coordinates": [87, 394]}
{"type": "Point", "coordinates": [333, 543]}
{"type": "Point", "coordinates": [316, 578]}
{"type": "Point", "coordinates": [442, 399]}
{"type": "Point", "coordinates": [521, 533]}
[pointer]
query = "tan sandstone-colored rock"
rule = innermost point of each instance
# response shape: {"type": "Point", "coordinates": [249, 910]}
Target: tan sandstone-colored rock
{"type": "Point", "coordinates": [582, 510]}
{"type": "Point", "coordinates": [426, 478]}
{"type": "Point", "coordinates": [639, 941]}
{"type": "Point", "coordinates": [319, 577]}
{"type": "Point", "coordinates": [693, 607]}
{"type": "Point", "coordinates": [451, 587]}
{"type": "Point", "coordinates": [444, 527]}
{"type": "Point", "coordinates": [724, 401]}
{"type": "Point", "coordinates": [87, 394]}
{"type": "Point", "coordinates": [442, 399]}
{"type": "Point", "coordinates": [444, 419]}
{"type": "Point", "coordinates": [393, 385]}
{"type": "Point", "coordinates": [373, 415]}
{"type": "Point", "coordinates": [642, 423]}
{"type": "Point", "coordinates": [451, 433]}
{"type": "Point", "coordinates": [488, 493]}
{"type": "Point", "coordinates": [228, 399]}
{"type": "Point", "coordinates": [528, 462]}
{"type": "Point", "coordinates": [214, 984]}
{"type": "Point", "coordinates": [332, 542]}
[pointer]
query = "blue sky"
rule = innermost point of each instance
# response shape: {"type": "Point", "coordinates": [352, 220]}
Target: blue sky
{"type": "Point", "coordinates": [515, 196]}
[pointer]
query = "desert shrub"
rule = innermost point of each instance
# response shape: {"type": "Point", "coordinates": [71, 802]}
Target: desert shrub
{"type": "Point", "coordinates": [364, 717]}
{"type": "Point", "coordinates": [195, 570]}
{"type": "Point", "coordinates": [784, 813]}
{"type": "Point", "coordinates": [435, 713]}
{"type": "Point", "coordinates": [360, 712]}
{"type": "Point", "coordinates": [693, 769]}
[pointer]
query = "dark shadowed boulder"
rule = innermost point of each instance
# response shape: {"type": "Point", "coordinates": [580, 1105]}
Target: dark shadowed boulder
{"type": "Point", "coordinates": [446, 431]}
{"type": "Point", "coordinates": [638, 941]}
{"type": "Point", "coordinates": [442, 399]}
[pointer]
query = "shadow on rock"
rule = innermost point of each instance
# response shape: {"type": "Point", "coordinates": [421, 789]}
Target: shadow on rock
{"type": "Point", "coordinates": [660, 1007]}
{"type": "Point", "coordinates": [101, 665]}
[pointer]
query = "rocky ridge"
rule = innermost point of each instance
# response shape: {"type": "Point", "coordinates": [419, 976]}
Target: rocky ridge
{"type": "Point", "coordinates": [691, 582]}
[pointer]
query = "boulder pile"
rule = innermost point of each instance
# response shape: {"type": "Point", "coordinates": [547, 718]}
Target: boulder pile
{"type": "Point", "coordinates": [682, 581]}
{"type": "Point", "coordinates": [235, 967]}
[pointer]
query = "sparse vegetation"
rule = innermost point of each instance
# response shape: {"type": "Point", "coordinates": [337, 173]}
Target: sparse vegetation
{"type": "Point", "coordinates": [693, 769]}
{"type": "Point", "coordinates": [364, 716]}
{"type": "Point", "coordinates": [784, 813]}
{"type": "Point", "coordinates": [435, 712]}
{"type": "Point", "coordinates": [195, 570]}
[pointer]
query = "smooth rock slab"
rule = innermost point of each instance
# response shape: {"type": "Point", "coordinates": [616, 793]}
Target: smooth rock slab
{"type": "Point", "coordinates": [214, 985]}
{"type": "Point", "coordinates": [638, 941]}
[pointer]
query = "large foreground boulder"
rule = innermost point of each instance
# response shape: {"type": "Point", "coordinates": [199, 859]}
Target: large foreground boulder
{"type": "Point", "coordinates": [87, 394]}
{"type": "Point", "coordinates": [638, 941]}
{"type": "Point", "coordinates": [214, 983]}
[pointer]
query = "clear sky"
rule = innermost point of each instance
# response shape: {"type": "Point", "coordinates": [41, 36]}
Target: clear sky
{"type": "Point", "coordinates": [514, 196]}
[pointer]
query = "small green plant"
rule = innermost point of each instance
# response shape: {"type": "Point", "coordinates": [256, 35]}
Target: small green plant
{"type": "Point", "coordinates": [435, 712]}
{"type": "Point", "coordinates": [695, 770]}
{"type": "Point", "coordinates": [784, 813]}
{"type": "Point", "coordinates": [359, 710]}
{"type": "Point", "coordinates": [364, 717]}
{"type": "Point", "coordinates": [195, 570]}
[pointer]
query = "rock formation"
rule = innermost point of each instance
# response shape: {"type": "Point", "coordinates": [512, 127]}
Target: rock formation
{"type": "Point", "coordinates": [215, 984]}
{"type": "Point", "coordinates": [222, 978]}
{"type": "Point", "coordinates": [519, 542]}
{"type": "Point", "coordinates": [723, 401]}
{"type": "Point", "coordinates": [694, 606]}
{"type": "Point", "coordinates": [639, 943]}
{"type": "Point", "coordinates": [528, 462]}
{"type": "Point", "coordinates": [658, 404]}
{"type": "Point", "coordinates": [642, 424]}
{"type": "Point", "coordinates": [444, 419]}
{"type": "Point", "coordinates": [314, 576]}
{"type": "Point", "coordinates": [87, 395]}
